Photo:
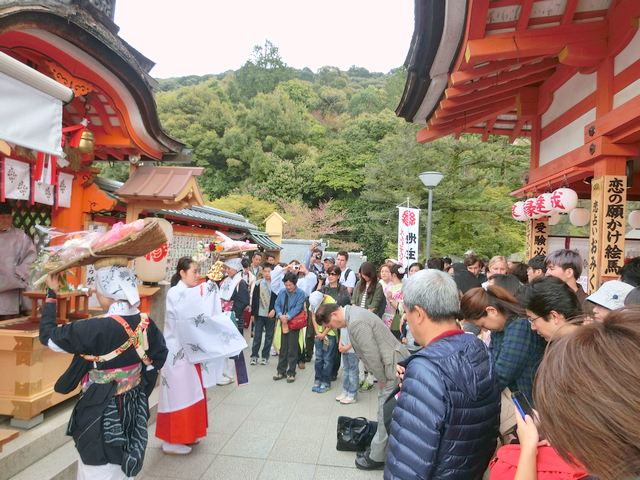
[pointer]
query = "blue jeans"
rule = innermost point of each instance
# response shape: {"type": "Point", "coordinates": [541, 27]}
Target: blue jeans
{"type": "Point", "coordinates": [324, 360]}
{"type": "Point", "coordinates": [350, 373]}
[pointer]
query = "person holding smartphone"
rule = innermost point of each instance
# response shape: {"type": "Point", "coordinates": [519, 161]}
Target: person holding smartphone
{"type": "Point", "coordinates": [532, 458]}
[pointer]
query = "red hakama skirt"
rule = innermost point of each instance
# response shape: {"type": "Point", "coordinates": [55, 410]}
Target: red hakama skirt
{"type": "Point", "coordinates": [184, 426]}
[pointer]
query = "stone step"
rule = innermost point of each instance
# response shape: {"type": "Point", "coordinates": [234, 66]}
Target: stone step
{"type": "Point", "coordinates": [61, 464]}
{"type": "Point", "coordinates": [46, 452]}
{"type": "Point", "coordinates": [36, 443]}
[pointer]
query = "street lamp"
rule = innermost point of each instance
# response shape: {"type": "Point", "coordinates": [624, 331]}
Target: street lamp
{"type": "Point", "coordinates": [430, 180]}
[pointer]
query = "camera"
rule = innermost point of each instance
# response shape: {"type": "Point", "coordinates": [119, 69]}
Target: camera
{"type": "Point", "coordinates": [322, 276]}
{"type": "Point", "coordinates": [296, 267]}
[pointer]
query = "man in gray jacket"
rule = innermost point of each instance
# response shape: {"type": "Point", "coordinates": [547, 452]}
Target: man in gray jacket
{"type": "Point", "coordinates": [380, 352]}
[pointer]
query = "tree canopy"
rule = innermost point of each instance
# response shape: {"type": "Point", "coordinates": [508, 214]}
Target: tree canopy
{"type": "Point", "coordinates": [327, 150]}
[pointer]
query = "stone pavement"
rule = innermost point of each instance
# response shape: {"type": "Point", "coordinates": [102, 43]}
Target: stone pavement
{"type": "Point", "coordinates": [268, 430]}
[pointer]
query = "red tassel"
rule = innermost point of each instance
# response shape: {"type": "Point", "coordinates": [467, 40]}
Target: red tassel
{"type": "Point", "coordinates": [53, 161]}
{"type": "Point", "coordinates": [37, 173]}
{"type": "Point", "coordinates": [76, 134]}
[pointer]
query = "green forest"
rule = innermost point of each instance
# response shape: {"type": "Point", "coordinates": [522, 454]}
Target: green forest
{"type": "Point", "coordinates": [326, 150]}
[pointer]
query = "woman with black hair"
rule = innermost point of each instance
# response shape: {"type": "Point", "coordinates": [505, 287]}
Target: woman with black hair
{"type": "Point", "coordinates": [515, 349]}
{"type": "Point", "coordinates": [194, 325]}
{"type": "Point", "coordinates": [368, 291]}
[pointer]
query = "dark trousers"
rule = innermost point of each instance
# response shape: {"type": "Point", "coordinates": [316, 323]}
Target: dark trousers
{"type": "Point", "coordinates": [289, 351]}
{"type": "Point", "coordinates": [267, 325]}
{"type": "Point", "coordinates": [337, 357]}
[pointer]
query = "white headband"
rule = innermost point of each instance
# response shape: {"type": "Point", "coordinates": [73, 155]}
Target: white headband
{"type": "Point", "coordinates": [234, 263]}
{"type": "Point", "coordinates": [118, 283]}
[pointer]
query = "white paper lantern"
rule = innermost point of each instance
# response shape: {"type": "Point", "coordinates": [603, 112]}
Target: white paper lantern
{"type": "Point", "coordinates": [579, 217]}
{"type": "Point", "coordinates": [543, 205]}
{"type": "Point", "coordinates": [517, 212]}
{"type": "Point", "coordinates": [564, 200]}
{"type": "Point", "coordinates": [634, 219]}
{"type": "Point", "coordinates": [554, 218]}
{"type": "Point", "coordinates": [529, 208]}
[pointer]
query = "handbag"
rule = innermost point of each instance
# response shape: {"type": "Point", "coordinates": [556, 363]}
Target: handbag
{"type": "Point", "coordinates": [299, 321]}
{"type": "Point", "coordinates": [507, 416]}
{"type": "Point", "coordinates": [355, 434]}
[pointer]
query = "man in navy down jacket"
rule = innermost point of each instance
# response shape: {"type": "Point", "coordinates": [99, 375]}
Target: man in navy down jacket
{"type": "Point", "coordinates": [445, 422]}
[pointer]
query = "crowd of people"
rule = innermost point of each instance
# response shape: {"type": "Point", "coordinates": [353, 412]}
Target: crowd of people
{"type": "Point", "coordinates": [450, 345]}
{"type": "Point", "coordinates": [455, 343]}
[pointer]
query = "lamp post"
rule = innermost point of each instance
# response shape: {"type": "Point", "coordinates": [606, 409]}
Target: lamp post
{"type": "Point", "coordinates": [430, 180]}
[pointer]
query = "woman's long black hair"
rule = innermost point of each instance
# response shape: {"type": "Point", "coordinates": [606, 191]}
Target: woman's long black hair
{"type": "Point", "coordinates": [184, 264]}
{"type": "Point", "coordinates": [370, 271]}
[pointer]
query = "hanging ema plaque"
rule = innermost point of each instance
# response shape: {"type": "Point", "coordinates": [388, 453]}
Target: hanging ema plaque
{"type": "Point", "coordinates": [613, 226]}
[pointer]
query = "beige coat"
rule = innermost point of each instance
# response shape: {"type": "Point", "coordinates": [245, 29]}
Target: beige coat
{"type": "Point", "coordinates": [374, 343]}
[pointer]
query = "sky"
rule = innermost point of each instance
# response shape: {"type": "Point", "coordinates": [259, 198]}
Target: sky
{"type": "Point", "coordinates": [197, 37]}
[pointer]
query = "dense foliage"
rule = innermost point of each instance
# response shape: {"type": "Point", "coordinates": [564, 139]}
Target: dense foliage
{"type": "Point", "coordinates": [327, 150]}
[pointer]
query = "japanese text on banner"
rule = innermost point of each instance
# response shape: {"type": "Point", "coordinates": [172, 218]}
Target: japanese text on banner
{"type": "Point", "coordinates": [408, 228]}
{"type": "Point", "coordinates": [613, 225]}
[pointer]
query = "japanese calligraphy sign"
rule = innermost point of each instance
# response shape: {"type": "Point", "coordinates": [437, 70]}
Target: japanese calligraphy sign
{"type": "Point", "coordinates": [613, 226]}
{"type": "Point", "coordinates": [408, 223]}
{"type": "Point", "coordinates": [597, 198]}
{"type": "Point", "coordinates": [537, 235]}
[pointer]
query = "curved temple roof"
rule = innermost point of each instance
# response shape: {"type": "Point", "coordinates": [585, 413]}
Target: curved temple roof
{"type": "Point", "coordinates": [77, 44]}
{"type": "Point", "coordinates": [501, 57]}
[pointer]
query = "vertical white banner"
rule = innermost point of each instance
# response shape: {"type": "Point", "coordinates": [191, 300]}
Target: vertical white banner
{"type": "Point", "coordinates": [408, 228]}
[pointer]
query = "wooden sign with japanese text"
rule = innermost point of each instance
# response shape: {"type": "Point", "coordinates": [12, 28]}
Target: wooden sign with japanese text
{"type": "Point", "coordinates": [539, 236]}
{"type": "Point", "coordinates": [613, 226]}
{"type": "Point", "coordinates": [597, 198]}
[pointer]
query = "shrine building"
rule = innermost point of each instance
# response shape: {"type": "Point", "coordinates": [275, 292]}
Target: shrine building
{"type": "Point", "coordinates": [565, 73]}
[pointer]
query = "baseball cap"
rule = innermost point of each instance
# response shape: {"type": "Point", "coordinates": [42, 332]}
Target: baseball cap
{"type": "Point", "coordinates": [611, 294]}
{"type": "Point", "coordinates": [329, 259]}
{"type": "Point", "coordinates": [315, 300]}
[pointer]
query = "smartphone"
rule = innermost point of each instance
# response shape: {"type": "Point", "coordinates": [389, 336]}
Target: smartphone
{"type": "Point", "coordinates": [522, 404]}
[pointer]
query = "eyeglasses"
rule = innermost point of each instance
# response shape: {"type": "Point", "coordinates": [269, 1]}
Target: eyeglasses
{"type": "Point", "coordinates": [531, 320]}
{"type": "Point", "coordinates": [331, 273]}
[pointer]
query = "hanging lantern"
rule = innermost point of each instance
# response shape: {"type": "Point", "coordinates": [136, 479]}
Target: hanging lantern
{"type": "Point", "coordinates": [86, 142]}
{"type": "Point", "coordinates": [564, 200]}
{"type": "Point", "coordinates": [579, 217]}
{"type": "Point", "coordinates": [634, 219]}
{"type": "Point", "coordinates": [554, 218]}
{"type": "Point", "coordinates": [517, 212]}
{"type": "Point", "coordinates": [529, 208]}
{"type": "Point", "coordinates": [543, 204]}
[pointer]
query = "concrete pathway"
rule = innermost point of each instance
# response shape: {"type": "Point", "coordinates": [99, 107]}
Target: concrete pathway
{"type": "Point", "coordinates": [268, 430]}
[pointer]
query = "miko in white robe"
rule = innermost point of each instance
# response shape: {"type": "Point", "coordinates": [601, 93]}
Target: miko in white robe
{"type": "Point", "coordinates": [196, 333]}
